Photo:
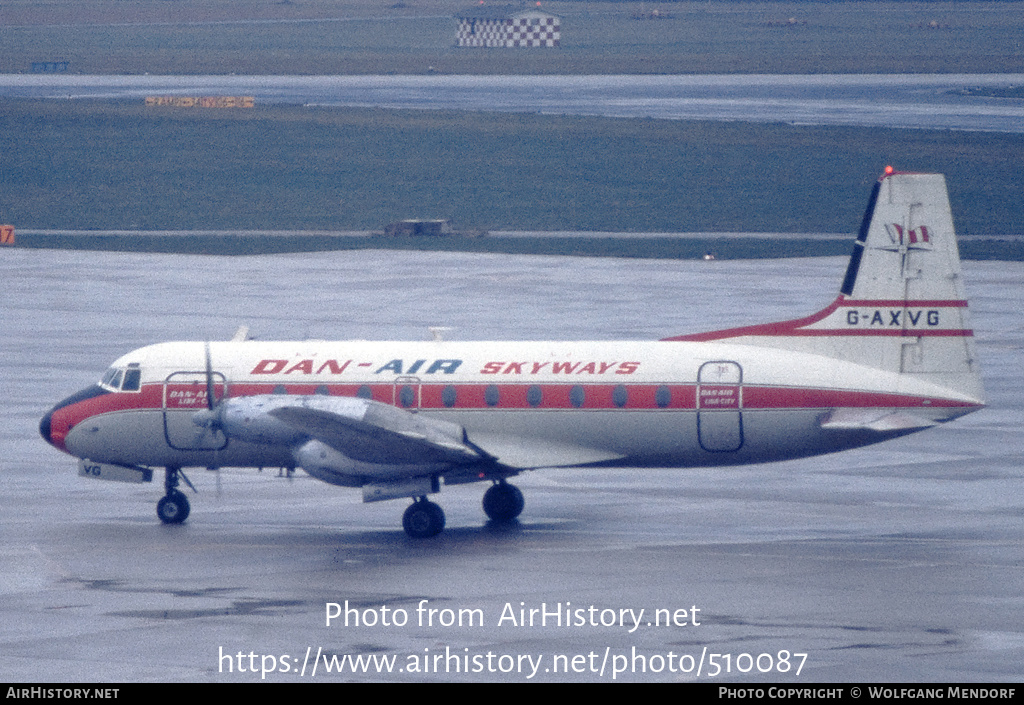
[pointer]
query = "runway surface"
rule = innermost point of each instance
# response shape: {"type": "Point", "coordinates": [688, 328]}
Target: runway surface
{"type": "Point", "coordinates": [928, 101]}
{"type": "Point", "coordinates": [900, 562]}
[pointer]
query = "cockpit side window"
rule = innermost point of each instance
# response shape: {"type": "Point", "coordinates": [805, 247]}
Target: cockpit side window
{"type": "Point", "coordinates": [132, 379]}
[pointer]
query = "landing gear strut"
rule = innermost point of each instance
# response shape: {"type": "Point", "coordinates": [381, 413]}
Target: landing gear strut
{"type": "Point", "coordinates": [503, 502]}
{"type": "Point", "coordinates": [423, 519]}
{"type": "Point", "coordinates": [174, 507]}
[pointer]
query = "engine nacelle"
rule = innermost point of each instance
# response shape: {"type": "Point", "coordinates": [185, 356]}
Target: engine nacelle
{"type": "Point", "coordinates": [325, 463]}
{"type": "Point", "coordinates": [387, 451]}
{"type": "Point", "coordinates": [248, 419]}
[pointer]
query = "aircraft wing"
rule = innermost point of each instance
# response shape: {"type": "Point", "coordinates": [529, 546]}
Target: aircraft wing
{"type": "Point", "coordinates": [372, 432]}
{"type": "Point", "coordinates": [539, 453]}
{"type": "Point", "coordinates": [379, 434]}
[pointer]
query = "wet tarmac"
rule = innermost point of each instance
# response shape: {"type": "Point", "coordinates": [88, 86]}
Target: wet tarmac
{"type": "Point", "coordinates": [923, 101]}
{"type": "Point", "coordinates": [900, 562]}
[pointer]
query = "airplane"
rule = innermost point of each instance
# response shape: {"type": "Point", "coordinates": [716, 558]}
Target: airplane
{"type": "Point", "coordinates": [893, 354]}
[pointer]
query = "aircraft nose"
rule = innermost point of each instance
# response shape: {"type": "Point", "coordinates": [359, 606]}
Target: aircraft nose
{"type": "Point", "coordinates": [46, 426]}
{"type": "Point", "coordinates": [54, 432]}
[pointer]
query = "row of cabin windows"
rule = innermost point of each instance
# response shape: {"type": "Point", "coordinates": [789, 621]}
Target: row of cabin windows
{"type": "Point", "coordinates": [129, 379]}
{"type": "Point", "coordinates": [534, 395]}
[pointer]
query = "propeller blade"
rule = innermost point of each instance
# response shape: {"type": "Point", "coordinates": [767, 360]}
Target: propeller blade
{"type": "Point", "coordinates": [209, 377]}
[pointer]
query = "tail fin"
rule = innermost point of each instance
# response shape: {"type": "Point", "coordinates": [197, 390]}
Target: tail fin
{"type": "Point", "coordinates": [902, 306]}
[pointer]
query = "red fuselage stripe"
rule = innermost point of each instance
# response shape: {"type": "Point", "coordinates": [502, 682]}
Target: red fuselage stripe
{"type": "Point", "coordinates": [635, 397]}
{"type": "Point", "coordinates": [797, 327]}
{"type": "Point", "coordinates": [904, 303]}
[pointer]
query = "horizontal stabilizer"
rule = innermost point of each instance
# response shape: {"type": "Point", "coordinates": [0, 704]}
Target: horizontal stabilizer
{"type": "Point", "coordinates": [880, 420]}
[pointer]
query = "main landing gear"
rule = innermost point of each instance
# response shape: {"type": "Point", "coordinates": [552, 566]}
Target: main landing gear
{"type": "Point", "coordinates": [174, 507]}
{"type": "Point", "coordinates": [423, 519]}
{"type": "Point", "coordinates": [502, 503]}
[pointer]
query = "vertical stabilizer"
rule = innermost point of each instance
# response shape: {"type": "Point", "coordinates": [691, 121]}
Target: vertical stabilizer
{"type": "Point", "coordinates": [902, 306]}
{"type": "Point", "coordinates": [906, 248]}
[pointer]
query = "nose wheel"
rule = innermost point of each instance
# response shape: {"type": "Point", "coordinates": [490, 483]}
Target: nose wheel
{"type": "Point", "coordinates": [173, 508]}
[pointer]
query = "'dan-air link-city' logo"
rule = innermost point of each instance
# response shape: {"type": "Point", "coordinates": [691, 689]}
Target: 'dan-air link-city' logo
{"type": "Point", "coordinates": [919, 238]}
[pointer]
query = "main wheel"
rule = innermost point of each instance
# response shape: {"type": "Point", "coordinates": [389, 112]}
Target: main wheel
{"type": "Point", "coordinates": [423, 519]}
{"type": "Point", "coordinates": [503, 502]}
{"type": "Point", "coordinates": [173, 508]}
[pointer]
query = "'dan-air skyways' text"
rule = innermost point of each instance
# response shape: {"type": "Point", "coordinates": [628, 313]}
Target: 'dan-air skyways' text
{"type": "Point", "coordinates": [396, 366]}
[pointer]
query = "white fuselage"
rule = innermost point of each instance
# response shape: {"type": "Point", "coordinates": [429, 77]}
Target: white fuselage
{"type": "Point", "coordinates": [528, 404]}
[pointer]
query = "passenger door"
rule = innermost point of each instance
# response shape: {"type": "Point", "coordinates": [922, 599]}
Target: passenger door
{"type": "Point", "coordinates": [719, 406]}
{"type": "Point", "coordinates": [184, 394]}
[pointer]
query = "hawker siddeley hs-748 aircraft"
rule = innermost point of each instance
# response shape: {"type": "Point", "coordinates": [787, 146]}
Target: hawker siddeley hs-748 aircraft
{"type": "Point", "coordinates": [893, 354]}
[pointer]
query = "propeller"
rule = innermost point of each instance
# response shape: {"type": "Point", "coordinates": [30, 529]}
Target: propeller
{"type": "Point", "coordinates": [209, 377]}
{"type": "Point", "coordinates": [210, 418]}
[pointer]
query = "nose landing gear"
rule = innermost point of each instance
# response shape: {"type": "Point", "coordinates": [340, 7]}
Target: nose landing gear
{"type": "Point", "coordinates": [173, 508]}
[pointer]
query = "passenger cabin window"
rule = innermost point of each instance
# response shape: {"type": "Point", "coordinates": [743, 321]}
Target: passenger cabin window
{"type": "Point", "coordinates": [577, 396]}
{"type": "Point", "coordinates": [534, 395]}
{"type": "Point", "coordinates": [449, 396]}
{"type": "Point", "coordinates": [492, 395]}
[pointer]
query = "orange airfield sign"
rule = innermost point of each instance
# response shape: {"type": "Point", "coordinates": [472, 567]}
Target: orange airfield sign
{"type": "Point", "coordinates": [212, 101]}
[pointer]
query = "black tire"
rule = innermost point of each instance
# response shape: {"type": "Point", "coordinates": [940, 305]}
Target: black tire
{"type": "Point", "coordinates": [423, 519]}
{"type": "Point", "coordinates": [173, 508]}
{"type": "Point", "coordinates": [503, 502]}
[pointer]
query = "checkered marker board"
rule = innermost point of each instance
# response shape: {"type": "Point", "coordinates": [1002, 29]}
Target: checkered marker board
{"type": "Point", "coordinates": [522, 32]}
{"type": "Point", "coordinates": [534, 33]}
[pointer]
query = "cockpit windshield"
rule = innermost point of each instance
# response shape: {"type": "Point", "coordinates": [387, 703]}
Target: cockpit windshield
{"type": "Point", "coordinates": [122, 379]}
{"type": "Point", "coordinates": [112, 379]}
